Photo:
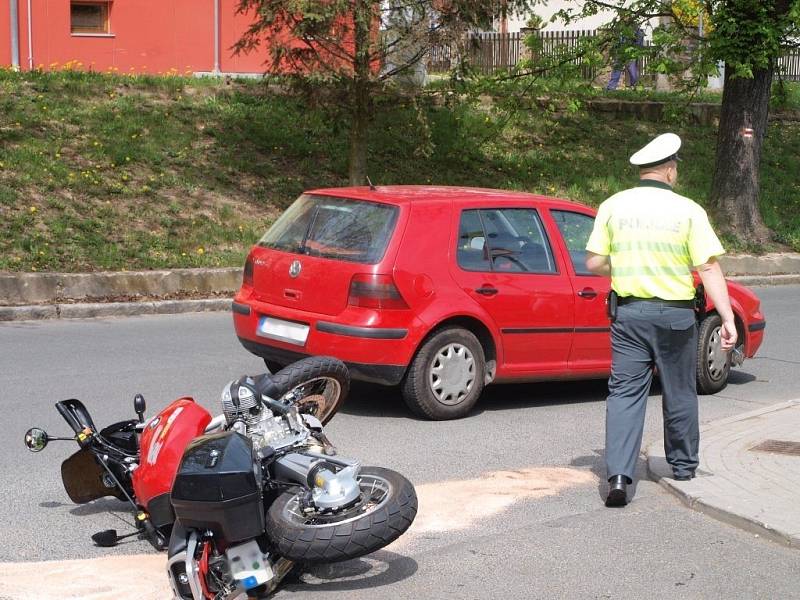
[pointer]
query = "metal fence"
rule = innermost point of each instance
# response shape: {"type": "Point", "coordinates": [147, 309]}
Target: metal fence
{"type": "Point", "coordinates": [491, 52]}
{"type": "Point", "coordinates": [788, 66]}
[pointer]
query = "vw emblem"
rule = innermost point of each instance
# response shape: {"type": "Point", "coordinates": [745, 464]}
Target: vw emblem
{"type": "Point", "coordinates": [295, 268]}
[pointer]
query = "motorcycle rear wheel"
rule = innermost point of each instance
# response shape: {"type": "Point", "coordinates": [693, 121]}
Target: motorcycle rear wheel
{"type": "Point", "coordinates": [317, 385]}
{"type": "Point", "coordinates": [385, 511]}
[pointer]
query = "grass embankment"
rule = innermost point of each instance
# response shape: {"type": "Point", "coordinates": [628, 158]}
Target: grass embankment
{"type": "Point", "coordinates": [113, 172]}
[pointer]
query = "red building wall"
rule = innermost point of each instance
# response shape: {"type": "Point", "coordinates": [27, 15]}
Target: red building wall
{"type": "Point", "coordinates": [152, 36]}
{"type": "Point", "coordinates": [232, 26]}
{"type": "Point", "coordinates": [5, 34]}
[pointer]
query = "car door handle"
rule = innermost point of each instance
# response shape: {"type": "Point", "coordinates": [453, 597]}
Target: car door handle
{"type": "Point", "coordinates": [587, 293]}
{"type": "Point", "coordinates": [486, 291]}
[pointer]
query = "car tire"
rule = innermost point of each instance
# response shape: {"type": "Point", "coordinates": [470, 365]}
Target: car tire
{"type": "Point", "coordinates": [713, 364]}
{"type": "Point", "coordinates": [446, 376]}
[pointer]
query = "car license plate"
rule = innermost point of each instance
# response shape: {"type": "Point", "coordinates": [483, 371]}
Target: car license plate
{"type": "Point", "coordinates": [285, 331]}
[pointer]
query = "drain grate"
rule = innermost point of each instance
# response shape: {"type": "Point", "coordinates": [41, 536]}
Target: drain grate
{"type": "Point", "coordinates": [778, 447]}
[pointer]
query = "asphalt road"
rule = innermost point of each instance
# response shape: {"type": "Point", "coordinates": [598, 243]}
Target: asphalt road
{"type": "Point", "coordinates": [551, 537]}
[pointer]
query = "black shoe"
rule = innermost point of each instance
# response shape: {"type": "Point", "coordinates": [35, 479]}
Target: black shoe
{"type": "Point", "coordinates": [617, 491]}
{"type": "Point", "coordinates": [686, 477]}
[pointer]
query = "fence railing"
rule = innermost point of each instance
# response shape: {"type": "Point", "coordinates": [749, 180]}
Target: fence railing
{"type": "Point", "coordinates": [491, 52]}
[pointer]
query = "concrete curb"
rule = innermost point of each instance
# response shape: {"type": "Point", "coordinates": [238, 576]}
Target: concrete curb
{"type": "Point", "coordinates": [47, 288]}
{"type": "Point", "coordinates": [737, 508]}
{"type": "Point", "coordinates": [111, 309]}
{"type": "Point", "coordinates": [756, 266]}
{"type": "Point", "coordinates": [35, 296]}
{"type": "Point", "coordinates": [752, 280]}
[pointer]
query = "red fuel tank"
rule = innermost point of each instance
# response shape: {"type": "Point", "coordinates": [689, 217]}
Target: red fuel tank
{"type": "Point", "coordinates": [162, 443]}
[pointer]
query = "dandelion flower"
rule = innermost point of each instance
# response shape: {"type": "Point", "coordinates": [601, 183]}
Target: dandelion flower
{"type": "Point", "coordinates": [33, 209]}
{"type": "Point", "coordinates": [201, 251]}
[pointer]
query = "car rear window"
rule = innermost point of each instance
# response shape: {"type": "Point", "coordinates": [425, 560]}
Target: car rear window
{"type": "Point", "coordinates": [339, 228]}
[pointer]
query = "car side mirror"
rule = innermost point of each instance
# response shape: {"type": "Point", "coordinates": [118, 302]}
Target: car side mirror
{"type": "Point", "coordinates": [36, 439]}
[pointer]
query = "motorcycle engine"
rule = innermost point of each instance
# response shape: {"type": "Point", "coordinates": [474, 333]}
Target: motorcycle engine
{"type": "Point", "coordinates": [263, 426]}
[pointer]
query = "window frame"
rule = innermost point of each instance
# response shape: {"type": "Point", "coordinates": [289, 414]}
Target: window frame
{"type": "Point", "coordinates": [105, 6]}
{"type": "Point", "coordinates": [548, 243]}
{"type": "Point", "coordinates": [315, 201]}
{"type": "Point", "coordinates": [554, 215]}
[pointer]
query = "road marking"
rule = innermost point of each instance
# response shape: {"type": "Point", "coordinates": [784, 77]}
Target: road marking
{"type": "Point", "coordinates": [443, 506]}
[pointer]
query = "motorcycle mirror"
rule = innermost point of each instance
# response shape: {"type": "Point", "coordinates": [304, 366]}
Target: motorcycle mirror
{"type": "Point", "coordinates": [139, 406]}
{"type": "Point", "coordinates": [105, 539]}
{"type": "Point", "coordinates": [109, 538]}
{"type": "Point", "coordinates": [36, 439]}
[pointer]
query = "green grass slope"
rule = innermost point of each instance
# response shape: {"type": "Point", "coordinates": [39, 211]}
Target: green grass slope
{"type": "Point", "coordinates": [103, 172]}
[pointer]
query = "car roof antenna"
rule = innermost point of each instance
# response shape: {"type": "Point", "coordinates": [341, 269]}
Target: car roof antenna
{"type": "Point", "coordinates": [372, 187]}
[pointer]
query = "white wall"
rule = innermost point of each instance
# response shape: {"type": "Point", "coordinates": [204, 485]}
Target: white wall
{"type": "Point", "coordinates": [515, 22]}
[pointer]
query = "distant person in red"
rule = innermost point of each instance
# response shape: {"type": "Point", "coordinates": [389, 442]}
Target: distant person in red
{"type": "Point", "coordinates": [620, 66]}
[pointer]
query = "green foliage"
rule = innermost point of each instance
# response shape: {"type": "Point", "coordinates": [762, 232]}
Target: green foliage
{"type": "Point", "coordinates": [749, 34]}
{"type": "Point", "coordinates": [226, 159]}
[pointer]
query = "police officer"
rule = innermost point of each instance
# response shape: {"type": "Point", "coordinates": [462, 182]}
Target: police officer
{"type": "Point", "coordinates": [649, 239]}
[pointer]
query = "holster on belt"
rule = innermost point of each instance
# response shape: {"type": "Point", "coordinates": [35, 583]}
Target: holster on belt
{"type": "Point", "coordinates": [700, 302]}
{"type": "Point", "coordinates": [611, 305]}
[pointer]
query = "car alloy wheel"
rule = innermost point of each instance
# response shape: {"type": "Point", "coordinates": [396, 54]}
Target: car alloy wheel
{"type": "Point", "coordinates": [446, 376]}
{"type": "Point", "coordinates": [713, 363]}
{"type": "Point", "coordinates": [452, 374]}
{"type": "Point", "coordinates": [717, 357]}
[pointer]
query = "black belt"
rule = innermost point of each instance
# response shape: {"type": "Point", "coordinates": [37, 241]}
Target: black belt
{"type": "Point", "coordinates": [672, 303]}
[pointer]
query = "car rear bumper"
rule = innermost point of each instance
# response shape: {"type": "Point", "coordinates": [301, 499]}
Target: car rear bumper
{"type": "Point", "coordinates": [381, 374]}
{"type": "Point", "coordinates": [376, 345]}
{"type": "Point", "coordinates": [754, 337]}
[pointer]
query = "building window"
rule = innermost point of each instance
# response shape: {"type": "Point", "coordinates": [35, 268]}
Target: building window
{"type": "Point", "coordinates": [89, 17]}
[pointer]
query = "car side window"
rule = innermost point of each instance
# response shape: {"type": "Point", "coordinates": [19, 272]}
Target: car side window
{"type": "Point", "coordinates": [575, 228]}
{"type": "Point", "coordinates": [505, 240]}
{"type": "Point", "coordinates": [471, 254]}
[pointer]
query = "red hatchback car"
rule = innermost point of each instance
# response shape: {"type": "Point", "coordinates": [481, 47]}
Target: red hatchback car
{"type": "Point", "coordinates": [444, 290]}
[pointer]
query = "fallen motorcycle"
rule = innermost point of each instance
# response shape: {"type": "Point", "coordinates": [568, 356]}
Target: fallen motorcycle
{"type": "Point", "coordinates": [240, 498]}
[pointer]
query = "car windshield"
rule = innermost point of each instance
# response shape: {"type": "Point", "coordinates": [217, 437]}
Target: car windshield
{"type": "Point", "coordinates": [339, 228]}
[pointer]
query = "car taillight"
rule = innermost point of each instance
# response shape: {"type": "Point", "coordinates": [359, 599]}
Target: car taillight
{"type": "Point", "coordinates": [247, 275]}
{"type": "Point", "coordinates": [375, 291]}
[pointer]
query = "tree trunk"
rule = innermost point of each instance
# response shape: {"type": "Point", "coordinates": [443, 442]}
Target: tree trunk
{"type": "Point", "coordinates": [742, 125]}
{"type": "Point", "coordinates": [360, 101]}
{"type": "Point", "coordinates": [359, 130]}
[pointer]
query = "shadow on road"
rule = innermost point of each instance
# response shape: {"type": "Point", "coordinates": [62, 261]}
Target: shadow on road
{"type": "Point", "coordinates": [597, 464]}
{"type": "Point", "coordinates": [378, 569]}
{"type": "Point", "coordinates": [370, 400]}
{"type": "Point", "coordinates": [740, 377]}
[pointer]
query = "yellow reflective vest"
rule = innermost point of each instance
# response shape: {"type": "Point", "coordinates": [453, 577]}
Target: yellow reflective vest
{"type": "Point", "coordinates": [653, 237]}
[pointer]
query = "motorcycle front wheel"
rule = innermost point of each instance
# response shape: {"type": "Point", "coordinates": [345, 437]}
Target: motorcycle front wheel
{"type": "Point", "coordinates": [385, 510]}
{"type": "Point", "coordinates": [317, 385]}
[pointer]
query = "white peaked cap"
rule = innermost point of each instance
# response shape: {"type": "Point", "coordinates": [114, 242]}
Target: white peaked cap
{"type": "Point", "coordinates": [662, 149]}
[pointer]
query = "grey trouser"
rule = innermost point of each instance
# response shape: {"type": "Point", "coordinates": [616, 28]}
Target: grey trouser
{"type": "Point", "coordinates": [644, 334]}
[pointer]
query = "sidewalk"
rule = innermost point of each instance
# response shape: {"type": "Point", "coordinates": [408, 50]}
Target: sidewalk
{"type": "Point", "coordinates": [738, 483]}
